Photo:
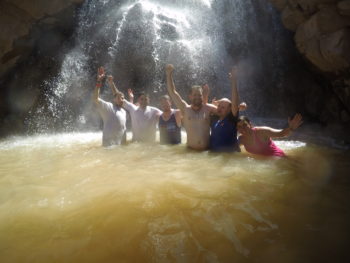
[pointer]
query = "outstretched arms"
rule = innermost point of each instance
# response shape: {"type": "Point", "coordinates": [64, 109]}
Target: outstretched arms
{"type": "Point", "coordinates": [234, 92]}
{"type": "Point", "coordinates": [100, 77]}
{"type": "Point", "coordinates": [293, 124]}
{"type": "Point", "coordinates": [179, 102]}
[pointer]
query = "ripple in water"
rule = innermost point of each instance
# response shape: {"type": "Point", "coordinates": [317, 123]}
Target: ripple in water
{"type": "Point", "coordinates": [64, 198]}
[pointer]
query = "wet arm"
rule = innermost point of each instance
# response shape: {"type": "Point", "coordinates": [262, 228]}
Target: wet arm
{"type": "Point", "coordinates": [96, 96]}
{"type": "Point", "coordinates": [112, 85]}
{"type": "Point", "coordinates": [179, 102]}
{"type": "Point", "coordinates": [292, 125]}
{"type": "Point", "coordinates": [234, 92]}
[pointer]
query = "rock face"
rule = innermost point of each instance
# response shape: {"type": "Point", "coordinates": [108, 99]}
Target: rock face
{"type": "Point", "coordinates": [17, 19]}
{"type": "Point", "coordinates": [322, 36]}
{"type": "Point", "coordinates": [28, 27]}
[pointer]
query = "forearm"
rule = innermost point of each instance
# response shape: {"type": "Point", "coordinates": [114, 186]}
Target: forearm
{"type": "Point", "coordinates": [113, 88]}
{"type": "Point", "coordinates": [173, 93]}
{"type": "Point", "coordinates": [96, 93]}
{"type": "Point", "coordinates": [234, 96]}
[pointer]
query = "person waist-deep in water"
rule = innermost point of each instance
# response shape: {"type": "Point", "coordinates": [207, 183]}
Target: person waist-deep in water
{"type": "Point", "coordinates": [144, 118]}
{"type": "Point", "coordinates": [223, 137]}
{"type": "Point", "coordinates": [196, 116]}
{"type": "Point", "coordinates": [112, 114]}
{"type": "Point", "coordinates": [258, 140]}
{"type": "Point", "coordinates": [169, 123]}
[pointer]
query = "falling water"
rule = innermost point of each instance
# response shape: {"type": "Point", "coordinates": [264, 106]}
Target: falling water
{"type": "Point", "coordinates": [134, 40]}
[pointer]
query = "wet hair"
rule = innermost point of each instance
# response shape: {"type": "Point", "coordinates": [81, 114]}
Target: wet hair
{"type": "Point", "coordinates": [118, 93]}
{"type": "Point", "coordinates": [196, 88]}
{"type": "Point", "coordinates": [244, 118]}
{"type": "Point", "coordinates": [165, 97]}
{"type": "Point", "coordinates": [143, 94]}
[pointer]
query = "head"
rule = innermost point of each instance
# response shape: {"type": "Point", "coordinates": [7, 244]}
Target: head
{"type": "Point", "coordinates": [224, 107]}
{"type": "Point", "coordinates": [165, 103]}
{"type": "Point", "coordinates": [196, 96]}
{"type": "Point", "coordinates": [244, 125]}
{"type": "Point", "coordinates": [143, 100]}
{"type": "Point", "coordinates": [118, 98]}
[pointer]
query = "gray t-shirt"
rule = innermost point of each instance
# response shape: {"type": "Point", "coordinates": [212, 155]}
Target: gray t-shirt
{"type": "Point", "coordinates": [143, 122]}
{"type": "Point", "coordinates": [114, 123]}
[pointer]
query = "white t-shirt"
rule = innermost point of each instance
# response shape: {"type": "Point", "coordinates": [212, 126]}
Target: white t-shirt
{"type": "Point", "coordinates": [143, 122]}
{"type": "Point", "coordinates": [114, 122]}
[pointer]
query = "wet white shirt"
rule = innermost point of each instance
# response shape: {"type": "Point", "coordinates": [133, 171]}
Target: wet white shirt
{"type": "Point", "coordinates": [143, 122]}
{"type": "Point", "coordinates": [114, 122]}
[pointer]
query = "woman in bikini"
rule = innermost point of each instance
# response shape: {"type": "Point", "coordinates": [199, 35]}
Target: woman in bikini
{"type": "Point", "coordinates": [257, 140]}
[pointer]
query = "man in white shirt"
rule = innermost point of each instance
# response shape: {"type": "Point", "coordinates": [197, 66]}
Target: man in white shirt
{"type": "Point", "coordinates": [112, 114]}
{"type": "Point", "coordinates": [144, 118]}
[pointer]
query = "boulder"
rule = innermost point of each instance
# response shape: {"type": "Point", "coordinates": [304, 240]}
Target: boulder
{"type": "Point", "coordinates": [293, 17]}
{"type": "Point", "coordinates": [344, 8]}
{"type": "Point", "coordinates": [17, 18]}
{"type": "Point", "coordinates": [323, 39]}
{"type": "Point", "coordinates": [335, 49]}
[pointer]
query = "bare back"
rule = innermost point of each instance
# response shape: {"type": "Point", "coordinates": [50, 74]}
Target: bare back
{"type": "Point", "coordinates": [197, 125]}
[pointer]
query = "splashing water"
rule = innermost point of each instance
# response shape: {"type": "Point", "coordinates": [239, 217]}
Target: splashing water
{"type": "Point", "coordinates": [64, 198]}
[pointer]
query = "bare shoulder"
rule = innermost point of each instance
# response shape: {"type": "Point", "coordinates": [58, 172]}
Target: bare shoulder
{"type": "Point", "coordinates": [210, 107]}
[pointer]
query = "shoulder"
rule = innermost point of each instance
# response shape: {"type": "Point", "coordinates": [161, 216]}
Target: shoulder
{"type": "Point", "coordinates": [129, 106]}
{"type": "Point", "coordinates": [155, 110]}
{"type": "Point", "coordinates": [210, 107]}
{"type": "Point", "coordinates": [104, 104]}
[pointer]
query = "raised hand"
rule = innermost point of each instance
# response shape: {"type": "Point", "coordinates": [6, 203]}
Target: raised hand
{"type": "Point", "coordinates": [131, 95]}
{"type": "Point", "coordinates": [215, 102]}
{"type": "Point", "coordinates": [295, 122]}
{"type": "Point", "coordinates": [169, 68]}
{"type": "Point", "coordinates": [110, 79]}
{"type": "Point", "coordinates": [101, 74]}
{"type": "Point", "coordinates": [242, 106]}
{"type": "Point", "coordinates": [205, 88]}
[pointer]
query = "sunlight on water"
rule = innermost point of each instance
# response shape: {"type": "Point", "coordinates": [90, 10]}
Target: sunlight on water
{"type": "Point", "coordinates": [64, 198]}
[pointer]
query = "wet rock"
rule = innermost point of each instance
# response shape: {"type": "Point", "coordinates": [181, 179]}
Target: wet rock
{"type": "Point", "coordinates": [17, 19]}
{"type": "Point", "coordinates": [344, 7]}
{"type": "Point", "coordinates": [292, 17]}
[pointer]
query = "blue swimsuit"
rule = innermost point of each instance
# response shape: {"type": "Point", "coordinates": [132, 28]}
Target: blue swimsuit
{"type": "Point", "coordinates": [169, 132]}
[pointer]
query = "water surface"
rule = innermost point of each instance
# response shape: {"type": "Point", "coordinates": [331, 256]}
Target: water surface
{"type": "Point", "coordinates": [64, 198]}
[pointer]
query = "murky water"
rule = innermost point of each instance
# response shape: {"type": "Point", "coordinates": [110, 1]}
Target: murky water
{"type": "Point", "coordinates": [64, 198]}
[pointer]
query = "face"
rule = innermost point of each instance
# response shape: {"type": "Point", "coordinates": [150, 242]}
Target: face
{"type": "Point", "coordinates": [224, 108]}
{"type": "Point", "coordinates": [196, 98]}
{"type": "Point", "coordinates": [144, 101]}
{"type": "Point", "coordinates": [165, 104]}
{"type": "Point", "coordinates": [243, 127]}
{"type": "Point", "coordinates": [119, 99]}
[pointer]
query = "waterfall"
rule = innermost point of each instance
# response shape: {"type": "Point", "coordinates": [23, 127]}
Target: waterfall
{"type": "Point", "coordinates": [135, 39]}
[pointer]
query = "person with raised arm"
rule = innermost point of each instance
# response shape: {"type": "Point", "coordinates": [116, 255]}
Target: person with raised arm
{"type": "Point", "coordinates": [196, 116]}
{"type": "Point", "coordinates": [112, 114]}
{"type": "Point", "coordinates": [258, 140]}
{"type": "Point", "coordinates": [223, 137]}
{"type": "Point", "coordinates": [144, 118]}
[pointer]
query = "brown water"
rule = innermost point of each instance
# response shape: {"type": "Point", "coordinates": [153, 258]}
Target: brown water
{"type": "Point", "coordinates": [63, 198]}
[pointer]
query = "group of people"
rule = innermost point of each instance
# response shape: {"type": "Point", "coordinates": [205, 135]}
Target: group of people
{"type": "Point", "coordinates": [209, 126]}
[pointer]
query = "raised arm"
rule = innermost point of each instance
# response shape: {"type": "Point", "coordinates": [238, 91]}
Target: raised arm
{"type": "Point", "coordinates": [100, 77]}
{"type": "Point", "coordinates": [131, 96]}
{"type": "Point", "coordinates": [205, 88]}
{"type": "Point", "coordinates": [234, 91]}
{"type": "Point", "coordinates": [293, 124]}
{"type": "Point", "coordinates": [112, 85]}
{"type": "Point", "coordinates": [179, 102]}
